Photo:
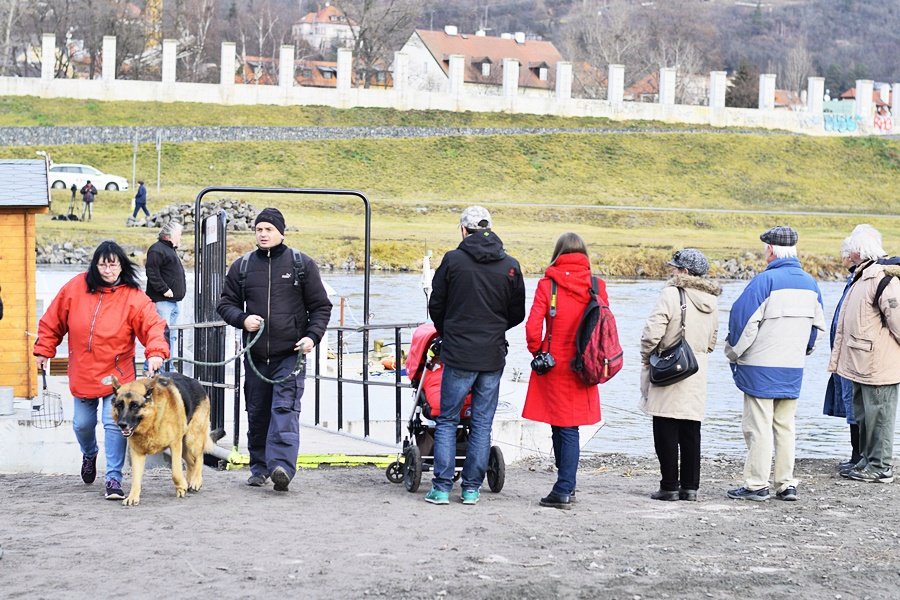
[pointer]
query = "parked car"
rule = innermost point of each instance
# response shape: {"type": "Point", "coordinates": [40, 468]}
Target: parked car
{"type": "Point", "coordinates": [62, 176]}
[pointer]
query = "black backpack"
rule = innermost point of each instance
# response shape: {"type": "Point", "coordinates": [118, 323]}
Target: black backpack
{"type": "Point", "coordinates": [299, 270]}
{"type": "Point", "coordinates": [882, 285]}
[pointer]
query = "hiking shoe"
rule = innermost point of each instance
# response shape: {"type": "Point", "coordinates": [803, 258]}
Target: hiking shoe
{"type": "Point", "coordinates": [743, 493]}
{"type": "Point", "coordinates": [114, 490]}
{"type": "Point", "coordinates": [552, 500]}
{"type": "Point", "coordinates": [788, 494]}
{"type": "Point", "coordinates": [872, 476]}
{"type": "Point", "coordinates": [256, 480]}
{"type": "Point", "coordinates": [436, 496]}
{"type": "Point", "coordinates": [689, 495]}
{"type": "Point", "coordinates": [88, 468]}
{"type": "Point", "coordinates": [470, 496]}
{"type": "Point", "coordinates": [280, 479]}
{"type": "Point", "coordinates": [666, 495]}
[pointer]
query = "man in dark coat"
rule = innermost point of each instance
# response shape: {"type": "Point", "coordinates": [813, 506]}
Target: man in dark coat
{"type": "Point", "coordinates": [292, 302]}
{"type": "Point", "coordinates": [166, 283]}
{"type": "Point", "coordinates": [478, 293]}
{"type": "Point", "coordinates": [140, 201]}
{"type": "Point", "coordinates": [88, 193]}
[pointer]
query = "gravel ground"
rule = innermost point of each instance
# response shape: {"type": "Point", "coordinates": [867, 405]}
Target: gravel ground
{"type": "Point", "coordinates": [349, 533]}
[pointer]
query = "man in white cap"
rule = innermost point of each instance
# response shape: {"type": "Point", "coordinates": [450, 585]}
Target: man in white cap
{"type": "Point", "coordinates": [282, 288]}
{"type": "Point", "coordinates": [772, 328]}
{"type": "Point", "coordinates": [478, 294]}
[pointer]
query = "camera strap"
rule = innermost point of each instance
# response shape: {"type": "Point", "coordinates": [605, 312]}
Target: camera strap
{"type": "Point", "coordinates": [552, 313]}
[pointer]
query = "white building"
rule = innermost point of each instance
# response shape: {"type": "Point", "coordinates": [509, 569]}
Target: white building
{"type": "Point", "coordinates": [324, 29]}
{"type": "Point", "coordinates": [429, 55]}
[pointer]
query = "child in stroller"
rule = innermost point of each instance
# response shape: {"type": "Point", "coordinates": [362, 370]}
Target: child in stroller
{"type": "Point", "coordinates": [423, 367]}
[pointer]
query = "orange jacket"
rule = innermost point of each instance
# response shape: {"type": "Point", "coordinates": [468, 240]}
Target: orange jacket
{"type": "Point", "coordinates": [102, 327]}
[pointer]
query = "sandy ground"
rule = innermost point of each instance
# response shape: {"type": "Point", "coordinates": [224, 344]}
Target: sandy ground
{"type": "Point", "coordinates": [349, 533]}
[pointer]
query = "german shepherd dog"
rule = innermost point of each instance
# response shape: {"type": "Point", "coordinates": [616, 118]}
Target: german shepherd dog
{"type": "Point", "coordinates": [164, 411]}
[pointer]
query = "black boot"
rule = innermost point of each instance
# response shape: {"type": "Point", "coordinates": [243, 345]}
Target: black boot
{"type": "Point", "coordinates": [854, 443]}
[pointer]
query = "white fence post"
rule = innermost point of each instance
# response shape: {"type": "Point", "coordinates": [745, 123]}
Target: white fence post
{"type": "Point", "coordinates": [563, 81]}
{"type": "Point", "coordinates": [168, 61]}
{"type": "Point", "coordinates": [863, 105]}
{"type": "Point", "coordinates": [767, 91]}
{"type": "Point", "coordinates": [510, 78]}
{"type": "Point", "coordinates": [456, 73]}
{"type": "Point", "coordinates": [815, 95]}
{"type": "Point", "coordinates": [615, 86]}
{"type": "Point", "coordinates": [667, 86]}
{"type": "Point", "coordinates": [344, 69]}
{"type": "Point", "coordinates": [401, 72]}
{"type": "Point", "coordinates": [226, 71]}
{"type": "Point", "coordinates": [286, 66]}
{"type": "Point", "coordinates": [48, 56]}
{"type": "Point", "coordinates": [109, 58]}
{"type": "Point", "coordinates": [718, 85]}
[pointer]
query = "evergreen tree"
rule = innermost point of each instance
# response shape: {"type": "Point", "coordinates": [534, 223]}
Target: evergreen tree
{"type": "Point", "coordinates": [744, 90]}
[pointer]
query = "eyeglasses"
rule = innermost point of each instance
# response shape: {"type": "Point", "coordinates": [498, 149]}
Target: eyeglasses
{"type": "Point", "coordinates": [110, 266]}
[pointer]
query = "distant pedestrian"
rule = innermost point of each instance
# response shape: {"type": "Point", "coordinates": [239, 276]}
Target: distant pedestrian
{"type": "Point", "coordinates": [772, 328]}
{"type": "Point", "coordinates": [140, 200]}
{"type": "Point", "coordinates": [88, 194]}
{"type": "Point", "coordinates": [839, 392]}
{"type": "Point", "coordinates": [867, 352]}
{"type": "Point", "coordinates": [557, 396]}
{"type": "Point", "coordinates": [478, 293]}
{"type": "Point", "coordinates": [166, 284]}
{"type": "Point", "coordinates": [74, 190]}
{"type": "Point", "coordinates": [678, 409]}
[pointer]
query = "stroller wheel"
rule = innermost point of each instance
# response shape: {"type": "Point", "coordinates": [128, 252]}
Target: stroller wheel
{"type": "Point", "coordinates": [412, 468]}
{"type": "Point", "coordinates": [496, 470]}
{"type": "Point", "coordinates": [394, 472]}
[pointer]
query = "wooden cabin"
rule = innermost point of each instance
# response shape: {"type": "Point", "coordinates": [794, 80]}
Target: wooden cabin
{"type": "Point", "coordinates": [24, 193]}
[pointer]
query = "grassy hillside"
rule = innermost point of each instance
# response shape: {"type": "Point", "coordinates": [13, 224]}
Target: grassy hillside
{"type": "Point", "coordinates": [538, 186]}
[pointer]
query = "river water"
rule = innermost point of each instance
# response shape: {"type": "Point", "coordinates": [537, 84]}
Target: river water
{"type": "Point", "coordinates": [398, 298]}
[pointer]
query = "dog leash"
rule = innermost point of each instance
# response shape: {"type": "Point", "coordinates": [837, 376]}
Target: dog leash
{"type": "Point", "coordinates": [299, 368]}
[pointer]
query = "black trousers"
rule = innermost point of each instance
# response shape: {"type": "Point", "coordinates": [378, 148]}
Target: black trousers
{"type": "Point", "coordinates": [670, 436]}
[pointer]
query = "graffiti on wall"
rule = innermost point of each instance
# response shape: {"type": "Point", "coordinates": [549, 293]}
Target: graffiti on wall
{"type": "Point", "coordinates": [842, 123]}
{"type": "Point", "coordinates": [883, 123]}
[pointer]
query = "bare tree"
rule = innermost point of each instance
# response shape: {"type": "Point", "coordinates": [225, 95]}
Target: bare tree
{"type": "Point", "coordinates": [379, 28]}
{"type": "Point", "coordinates": [797, 67]}
{"type": "Point", "coordinates": [8, 18]}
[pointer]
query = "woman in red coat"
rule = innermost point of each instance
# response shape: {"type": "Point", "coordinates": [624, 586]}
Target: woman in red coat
{"type": "Point", "coordinates": [558, 397]}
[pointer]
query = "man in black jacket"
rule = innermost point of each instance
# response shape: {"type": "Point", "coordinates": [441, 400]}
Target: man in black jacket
{"type": "Point", "coordinates": [478, 293]}
{"type": "Point", "coordinates": [166, 284]}
{"type": "Point", "coordinates": [294, 305]}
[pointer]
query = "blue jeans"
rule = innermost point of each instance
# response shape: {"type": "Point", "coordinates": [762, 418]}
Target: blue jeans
{"type": "Point", "coordinates": [455, 385]}
{"type": "Point", "coordinates": [168, 310]}
{"type": "Point", "coordinates": [85, 425]}
{"type": "Point", "coordinates": [566, 451]}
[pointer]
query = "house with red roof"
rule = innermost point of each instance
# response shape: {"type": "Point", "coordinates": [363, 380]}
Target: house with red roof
{"type": "Point", "coordinates": [325, 29]}
{"type": "Point", "coordinates": [429, 55]}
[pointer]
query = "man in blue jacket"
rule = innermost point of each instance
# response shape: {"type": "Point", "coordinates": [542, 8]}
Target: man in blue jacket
{"type": "Point", "coordinates": [478, 293]}
{"type": "Point", "coordinates": [772, 328]}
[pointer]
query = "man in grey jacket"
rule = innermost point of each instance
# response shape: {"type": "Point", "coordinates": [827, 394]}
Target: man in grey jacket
{"type": "Point", "coordinates": [867, 352]}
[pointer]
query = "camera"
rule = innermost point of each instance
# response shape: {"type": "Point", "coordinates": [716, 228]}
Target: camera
{"type": "Point", "coordinates": [542, 362]}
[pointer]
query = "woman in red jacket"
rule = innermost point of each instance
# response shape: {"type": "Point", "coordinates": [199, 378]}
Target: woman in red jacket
{"type": "Point", "coordinates": [102, 311]}
{"type": "Point", "coordinates": [558, 397]}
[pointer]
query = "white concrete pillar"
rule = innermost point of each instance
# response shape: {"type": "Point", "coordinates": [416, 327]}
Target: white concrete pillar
{"type": "Point", "coordinates": [767, 91]}
{"type": "Point", "coordinates": [344, 69]}
{"type": "Point", "coordinates": [718, 85]}
{"type": "Point", "coordinates": [168, 61]}
{"type": "Point", "coordinates": [863, 107]}
{"type": "Point", "coordinates": [884, 90]}
{"type": "Point", "coordinates": [667, 85]}
{"type": "Point", "coordinates": [228, 64]}
{"type": "Point", "coordinates": [615, 84]}
{"type": "Point", "coordinates": [563, 81]}
{"type": "Point", "coordinates": [510, 78]}
{"type": "Point", "coordinates": [109, 58]}
{"type": "Point", "coordinates": [895, 106]}
{"type": "Point", "coordinates": [457, 74]}
{"type": "Point", "coordinates": [48, 56]}
{"type": "Point", "coordinates": [286, 66]}
{"type": "Point", "coordinates": [815, 95]}
{"type": "Point", "coordinates": [401, 72]}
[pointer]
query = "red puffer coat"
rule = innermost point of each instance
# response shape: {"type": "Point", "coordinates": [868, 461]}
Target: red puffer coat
{"type": "Point", "coordinates": [102, 327]}
{"type": "Point", "coordinates": [558, 397]}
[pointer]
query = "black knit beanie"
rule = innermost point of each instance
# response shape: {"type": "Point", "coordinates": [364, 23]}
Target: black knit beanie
{"type": "Point", "coordinates": [273, 216]}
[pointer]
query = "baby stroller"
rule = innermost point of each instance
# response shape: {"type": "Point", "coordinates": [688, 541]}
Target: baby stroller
{"type": "Point", "coordinates": [423, 367]}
